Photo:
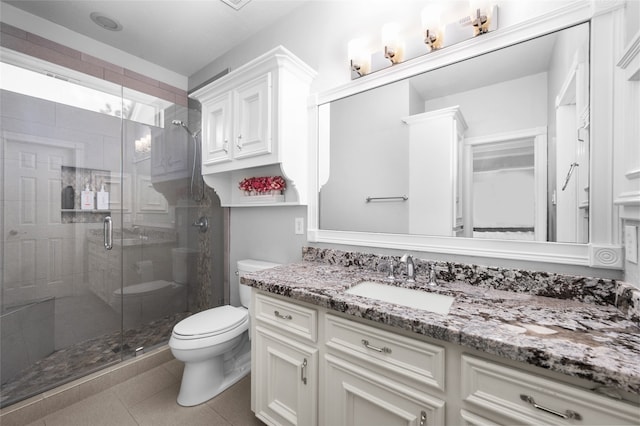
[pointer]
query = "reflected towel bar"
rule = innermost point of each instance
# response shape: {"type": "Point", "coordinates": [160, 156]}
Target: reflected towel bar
{"type": "Point", "coordinates": [401, 197]}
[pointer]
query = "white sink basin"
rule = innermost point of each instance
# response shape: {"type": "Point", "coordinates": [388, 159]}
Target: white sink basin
{"type": "Point", "coordinates": [416, 299]}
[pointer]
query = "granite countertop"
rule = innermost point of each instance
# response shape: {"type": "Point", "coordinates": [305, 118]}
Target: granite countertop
{"type": "Point", "coordinates": [590, 341]}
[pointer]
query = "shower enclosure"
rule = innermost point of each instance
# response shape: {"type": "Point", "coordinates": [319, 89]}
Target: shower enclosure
{"type": "Point", "coordinates": [99, 258]}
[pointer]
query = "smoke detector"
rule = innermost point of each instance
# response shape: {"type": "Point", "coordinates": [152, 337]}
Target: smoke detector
{"type": "Point", "coordinates": [105, 22]}
{"type": "Point", "coordinates": [236, 4]}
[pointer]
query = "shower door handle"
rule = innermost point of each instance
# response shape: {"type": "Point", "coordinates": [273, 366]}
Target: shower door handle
{"type": "Point", "coordinates": [107, 228]}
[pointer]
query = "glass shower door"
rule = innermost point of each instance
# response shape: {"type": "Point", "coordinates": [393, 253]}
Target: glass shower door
{"type": "Point", "coordinates": [158, 265]}
{"type": "Point", "coordinates": [98, 257]}
{"type": "Point", "coordinates": [60, 143]}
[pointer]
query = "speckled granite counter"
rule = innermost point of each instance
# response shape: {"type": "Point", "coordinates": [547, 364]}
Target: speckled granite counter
{"type": "Point", "coordinates": [594, 340]}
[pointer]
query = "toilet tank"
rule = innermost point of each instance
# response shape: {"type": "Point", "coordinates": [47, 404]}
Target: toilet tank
{"type": "Point", "coordinates": [250, 265]}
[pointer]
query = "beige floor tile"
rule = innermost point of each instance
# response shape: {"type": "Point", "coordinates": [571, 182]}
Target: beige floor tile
{"type": "Point", "coordinates": [23, 412]}
{"type": "Point", "coordinates": [144, 385]}
{"type": "Point", "coordinates": [163, 410]}
{"type": "Point", "coordinates": [234, 404]}
{"type": "Point", "coordinates": [175, 367]}
{"type": "Point", "coordinates": [102, 409]}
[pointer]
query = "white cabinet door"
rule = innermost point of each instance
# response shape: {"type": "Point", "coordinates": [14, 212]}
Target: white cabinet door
{"type": "Point", "coordinates": [286, 380]}
{"type": "Point", "coordinates": [253, 118]}
{"type": "Point", "coordinates": [218, 127]}
{"type": "Point", "coordinates": [357, 396]}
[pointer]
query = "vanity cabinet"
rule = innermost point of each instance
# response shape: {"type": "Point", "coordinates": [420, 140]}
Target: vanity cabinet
{"type": "Point", "coordinates": [498, 394]}
{"type": "Point", "coordinates": [376, 377]}
{"type": "Point", "coordinates": [285, 371]}
{"type": "Point", "coordinates": [312, 366]}
{"type": "Point", "coordinates": [253, 117]}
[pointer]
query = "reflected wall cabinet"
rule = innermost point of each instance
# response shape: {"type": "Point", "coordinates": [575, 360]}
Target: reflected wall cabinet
{"type": "Point", "coordinates": [435, 140]}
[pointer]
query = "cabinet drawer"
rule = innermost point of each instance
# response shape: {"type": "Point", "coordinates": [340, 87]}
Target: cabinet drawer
{"type": "Point", "coordinates": [511, 393]}
{"type": "Point", "coordinates": [391, 354]}
{"type": "Point", "coordinates": [289, 317]}
{"type": "Point", "coordinates": [358, 396]}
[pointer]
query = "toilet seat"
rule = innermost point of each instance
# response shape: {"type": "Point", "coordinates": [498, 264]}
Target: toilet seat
{"type": "Point", "coordinates": [211, 322]}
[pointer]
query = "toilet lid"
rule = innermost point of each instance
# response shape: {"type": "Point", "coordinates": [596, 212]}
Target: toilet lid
{"type": "Point", "coordinates": [210, 322]}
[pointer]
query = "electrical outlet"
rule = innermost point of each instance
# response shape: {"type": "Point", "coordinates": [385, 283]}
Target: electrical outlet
{"type": "Point", "coordinates": [299, 226]}
{"type": "Point", "coordinates": [631, 243]}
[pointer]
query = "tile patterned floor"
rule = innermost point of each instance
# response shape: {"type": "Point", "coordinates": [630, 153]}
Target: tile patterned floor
{"type": "Point", "coordinates": [82, 358]}
{"type": "Point", "coordinates": [150, 399]}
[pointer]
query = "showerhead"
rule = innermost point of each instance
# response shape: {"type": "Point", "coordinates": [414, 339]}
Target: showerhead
{"type": "Point", "coordinates": [184, 126]}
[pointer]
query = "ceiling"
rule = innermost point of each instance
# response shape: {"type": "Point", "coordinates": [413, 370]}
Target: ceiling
{"type": "Point", "coordinates": [180, 35]}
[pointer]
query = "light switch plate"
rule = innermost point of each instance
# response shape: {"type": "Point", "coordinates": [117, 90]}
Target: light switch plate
{"type": "Point", "coordinates": [631, 243]}
{"type": "Point", "coordinates": [299, 226]}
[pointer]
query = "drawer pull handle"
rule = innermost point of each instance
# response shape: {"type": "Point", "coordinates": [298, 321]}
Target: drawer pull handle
{"type": "Point", "coordinates": [284, 317]}
{"type": "Point", "coordinates": [423, 418]}
{"type": "Point", "coordinates": [303, 371]}
{"type": "Point", "coordinates": [366, 344]}
{"type": "Point", "coordinates": [566, 415]}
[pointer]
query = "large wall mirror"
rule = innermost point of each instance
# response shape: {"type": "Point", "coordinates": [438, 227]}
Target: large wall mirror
{"type": "Point", "coordinates": [483, 149]}
{"type": "Point", "coordinates": [494, 146]}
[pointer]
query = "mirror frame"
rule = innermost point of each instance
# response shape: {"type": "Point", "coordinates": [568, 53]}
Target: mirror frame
{"type": "Point", "coordinates": [604, 249]}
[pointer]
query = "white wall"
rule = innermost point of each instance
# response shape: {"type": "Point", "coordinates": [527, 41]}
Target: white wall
{"type": "Point", "coordinates": [319, 33]}
{"type": "Point", "coordinates": [369, 153]}
{"type": "Point", "coordinates": [505, 107]}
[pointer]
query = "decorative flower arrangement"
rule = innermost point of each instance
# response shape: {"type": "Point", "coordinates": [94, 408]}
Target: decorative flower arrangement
{"type": "Point", "coordinates": [263, 185]}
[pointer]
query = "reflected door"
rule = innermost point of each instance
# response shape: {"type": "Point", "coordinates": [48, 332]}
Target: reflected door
{"type": "Point", "coordinates": [39, 251]}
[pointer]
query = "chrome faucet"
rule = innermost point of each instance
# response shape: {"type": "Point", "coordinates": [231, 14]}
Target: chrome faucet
{"type": "Point", "coordinates": [411, 268]}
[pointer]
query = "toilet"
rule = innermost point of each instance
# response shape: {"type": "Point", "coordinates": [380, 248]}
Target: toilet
{"type": "Point", "coordinates": [214, 344]}
{"type": "Point", "coordinates": [153, 299]}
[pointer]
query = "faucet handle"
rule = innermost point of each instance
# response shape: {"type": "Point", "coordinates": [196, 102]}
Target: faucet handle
{"type": "Point", "coordinates": [391, 266]}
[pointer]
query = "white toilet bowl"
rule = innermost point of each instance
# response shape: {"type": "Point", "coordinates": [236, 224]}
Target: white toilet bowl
{"type": "Point", "coordinates": [214, 345]}
{"type": "Point", "coordinates": [202, 341]}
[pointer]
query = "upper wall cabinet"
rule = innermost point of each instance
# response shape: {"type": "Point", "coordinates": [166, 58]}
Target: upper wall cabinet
{"type": "Point", "coordinates": [254, 122]}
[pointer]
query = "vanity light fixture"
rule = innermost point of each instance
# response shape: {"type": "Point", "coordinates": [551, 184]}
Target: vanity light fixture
{"type": "Point", "coordinates": [443, 24]}
{"type": "Point", "coordinates": [391, 42]}
{"type": "Point", "coordinates": [480, 16]}
{"type": "Point", "coordinates": [358, 57]}
{"type": "Point", "coordinates": [431, 25]}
